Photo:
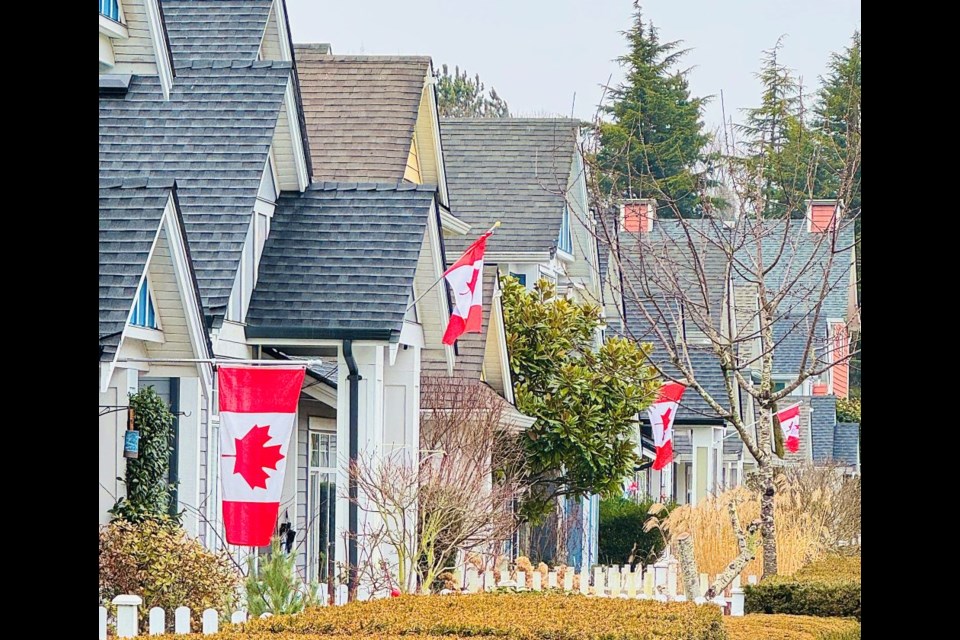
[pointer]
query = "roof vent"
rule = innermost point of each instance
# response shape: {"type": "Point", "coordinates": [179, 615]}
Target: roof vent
{"type": "Point", "coordinates": [114, 85]}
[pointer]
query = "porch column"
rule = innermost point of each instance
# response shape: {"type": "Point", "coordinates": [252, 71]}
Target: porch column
{"type": "Point", "coordinates": [703, 448]}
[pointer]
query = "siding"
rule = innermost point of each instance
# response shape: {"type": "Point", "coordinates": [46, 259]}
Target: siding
{"type": "Point", "coordinates": [584, 269]}
{"type": "Point", "coordinates": [412, 172]}
{"type": "Point", "coordinates": [308, 407]}
{"type": "Point", "coordinates": [270, 46]}
{"type": "Point", "coordinates": [169, 302]}
{"type": "Point", "coordinates": [428, 154]}
{"type": "Point", "coordinates": [283, 152]}
{"type": "Point", "coordinates": [746, 322]}
{"type": "Point", "coordinates": [138, 48]}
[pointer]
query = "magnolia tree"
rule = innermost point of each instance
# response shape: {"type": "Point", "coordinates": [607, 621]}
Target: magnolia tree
{"type": "Point", "coordinates": [452, 498]}
{"type": "Point", "coordinates": [757, 255]}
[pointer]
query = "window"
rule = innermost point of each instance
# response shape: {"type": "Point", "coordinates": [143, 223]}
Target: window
{"type": "Point", "coordinates": [779, 386]}
{"type": "Point", "coordinates": [110, 9]}
{"type": "Point", "coordinates": [322, 498]}
{"type": "Point", "coordinates": [565, 242]}
{"type": "Point", "coordinates": [520, 277]}
{"type": "Point", "coordinates": [144, 312]}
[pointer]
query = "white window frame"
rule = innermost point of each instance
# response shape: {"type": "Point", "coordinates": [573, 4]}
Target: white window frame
{"type": "Point", "coordinates": [317, 426]}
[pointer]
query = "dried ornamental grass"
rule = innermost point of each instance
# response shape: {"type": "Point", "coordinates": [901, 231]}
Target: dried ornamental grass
{"type": "Point", "coordinates": [512, 616]}
{"type": "Point", "coordinates": [780, 627]}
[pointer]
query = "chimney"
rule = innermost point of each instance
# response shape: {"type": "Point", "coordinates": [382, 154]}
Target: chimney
{"type": "Point", "coordinates": [637, 215]}
{"type": "Point", "coordinates": [822, 215]}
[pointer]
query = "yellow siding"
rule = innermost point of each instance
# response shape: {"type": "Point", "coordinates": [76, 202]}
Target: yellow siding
{"type": "Point", "coordinates": [428, 153]}
{"type": "Point", "coordinates": [283, 153]}
{"type": "Point", "coordinates": [270, 46]}
{"type": "Point", "coordinates": [169, 301]}
{"type": "Point", "coordinates": [138, 48]}
{"type": "Point", "coordinates": [412, 172]}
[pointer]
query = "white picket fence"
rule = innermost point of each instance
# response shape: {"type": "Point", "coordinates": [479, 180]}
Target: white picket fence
{"type": "Point", "coordinates": [658, 582]}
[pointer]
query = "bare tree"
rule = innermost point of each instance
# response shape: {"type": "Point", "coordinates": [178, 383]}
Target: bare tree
{"type": "Point", "coordinates": [452, 497]}
{"type": "Point", "coordinates": [720, 296]}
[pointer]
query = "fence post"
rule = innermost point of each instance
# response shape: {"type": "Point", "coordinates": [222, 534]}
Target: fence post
{"type": "Point", "coordinates": [613, 581]}
{"type": "Point", "coordinates": [489, 583]}
{"type": "Point", "coordinates": [584, 579]}
{"type": "Point", "coordinates": [537, 579]}
{"type": "Point", "coordinates": [630, 577]}
{"type": "Point", "coordinates": [103, 624]}
{"type": "Point", "coordinates": [127, 614]}
{"type": "Point", "coordinates": [211, 622]}
{"type": "Point", "coordinates": [598, 587]}
{"type": "Point", "coordinates": [672, 565]}
{"type": "Point", "coordinates": [568, 579]}
{"type": "Point", "coordinates": [238, 617]}
{"type": "Point", "coordinates": [552, 580]}
{"type": "Point", "coordinates": [158, 621]}
{"type": "Point", "coordinates": [181, 620]}
{"type": "Point", "coordinates": [737, 602]}
{"type": "Point", "coordinates": [521, 579]}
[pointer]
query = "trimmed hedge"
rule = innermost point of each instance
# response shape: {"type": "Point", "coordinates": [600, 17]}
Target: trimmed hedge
{"type": "Point", "coordinates": [504, 616]}
{"type": "Point", "coordinates": [621, 527]}
{"type": "Point", "coordinates": [828, 588]}
{"type": "Point", "coordinates": [781, 627]}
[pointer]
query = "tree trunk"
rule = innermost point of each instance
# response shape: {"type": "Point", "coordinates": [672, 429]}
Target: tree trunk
{"type": "Point", "coordinates": [768, 529]}
{"type": "Point", "coordinates": [747, 552]}
{"type": "Point", "coordinates": [688, 566]}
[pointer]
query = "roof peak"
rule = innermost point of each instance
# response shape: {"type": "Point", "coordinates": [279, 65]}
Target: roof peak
{"type": "Point", "coordinates": [335, 57]}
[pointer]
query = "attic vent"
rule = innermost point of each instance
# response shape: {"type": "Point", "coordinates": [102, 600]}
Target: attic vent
{"type": "Point", "coordinates": [114, 85]}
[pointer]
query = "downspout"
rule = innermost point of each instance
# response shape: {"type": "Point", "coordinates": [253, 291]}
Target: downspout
{"type": "Point", "coordinates": [353, 377]}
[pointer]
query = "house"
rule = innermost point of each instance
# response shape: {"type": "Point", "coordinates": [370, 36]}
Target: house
{"type": "Point", "coordinates": [709, 455]}
{"type": "Point", "coordinates": [528, 174]}
{"type": "Point", "coordinates": [207, 106]}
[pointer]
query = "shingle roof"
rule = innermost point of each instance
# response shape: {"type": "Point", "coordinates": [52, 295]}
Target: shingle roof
{"type": "Point", "coordinates": [823, 422]}
{"type": "Point", "coordinates": [130, 216]}
{"type": "Point", "coordinates": [212, 136]}
{"type": "Point", "coordinates": [510, 169]}
{"type": "Point", "coordinates": [790, 337]}
{"type": "Point", "coordinates": [223, 30]}
{"type": "Point", "coordinates": [846, 443]}
{"type": "Point", "coordinates": [360, 113]}
{"type": "Point", "coordinates": [340, 261]}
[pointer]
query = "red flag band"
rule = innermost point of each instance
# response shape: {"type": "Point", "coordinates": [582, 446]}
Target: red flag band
{"type": "Point", "coordinates": [466, 280]}
{"type": "Point", "coordinates": [790, 426]}
{"type": "Point", "coordinates": [258, 407]}
{"type": "Point", "coordinates": [662, 413]}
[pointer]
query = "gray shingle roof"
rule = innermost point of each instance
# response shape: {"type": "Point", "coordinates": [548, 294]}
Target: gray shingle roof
{"type": "Point", "coordinates": [212, 136]}
{"type": "Point", "coordinates": [223, 30]}
{"type": "Point", "coordinates": [509, 169]}
{"type": "Point", "coordinates": [790, 338]}
{"type": "Point", "coordinates": [823, 421]}
{"type": "Point", "coordinates": [130, 216]}
{"type": "Point", "coordinates": [360, 113]}
{"type": "Point", "coordinates": [846, 443]}
{"type": "Point", "coordinates": [340, 261]}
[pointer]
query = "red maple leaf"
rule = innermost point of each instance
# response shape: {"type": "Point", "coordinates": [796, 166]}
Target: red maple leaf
{"type": "Point", "coordinates": [253, 457]}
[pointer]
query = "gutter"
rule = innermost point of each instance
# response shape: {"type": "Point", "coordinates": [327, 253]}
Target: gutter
{"type": "Point", "coordinates": [353, 377]}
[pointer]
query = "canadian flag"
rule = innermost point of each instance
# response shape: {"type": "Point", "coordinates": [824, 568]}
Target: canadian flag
{"type": "Point", "coordinates": [466, 280]}
{"type": "Point", "coordinates": [662, 413]}
{"type": "Point", "coordinates": [258, 406]}
{"type": "Point", "coordinates": [790, 426]}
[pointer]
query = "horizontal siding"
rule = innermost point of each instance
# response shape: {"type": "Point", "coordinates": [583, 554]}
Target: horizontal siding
{"type": "Point", "coordinates": [169, 301]}
{"type": "Point", "coordinates": [270, 46]}
{"type": "Point", "coordinates": [138, 48]}
{"type": "Point", "coordinates": [412, 172]}
{"type": "Point", "coordinates": [429, 311]}
{"type": "Point", "coordinates": [427, 153]}
{"type": "Point", "coordinates": [283, 153]}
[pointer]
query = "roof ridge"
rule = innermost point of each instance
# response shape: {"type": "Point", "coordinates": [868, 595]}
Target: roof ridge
{"type": "Point", "coordinates": [334, 57]}
{"type": "Point", "coordinates": [327, 185]}
{"type": "Point", "coordinates": [208, 63]}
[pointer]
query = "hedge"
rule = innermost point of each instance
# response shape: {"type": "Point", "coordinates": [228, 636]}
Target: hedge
{"type": "Point", "coordinates": [781, 627]}
{"type": "Point", "coordinates": [622, 533]}
{"type": "Point", "coordinates": [506, 616]}
{"type": "Point", "coordinates": [828, 588]}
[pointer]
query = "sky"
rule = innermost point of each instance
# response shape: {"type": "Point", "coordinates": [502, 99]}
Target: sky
{"type": "Point", "coordinates": [551, 57]}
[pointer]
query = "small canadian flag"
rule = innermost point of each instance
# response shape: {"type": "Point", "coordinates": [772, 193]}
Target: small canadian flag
{"type": "Point", "coordinates": [790, 426]}
{"type": "Point", "coordinates": [662, 413]}
{"type": "Point", "coordinates": [258, 406]}
{"type": "Point", "coordinates": [466, 280]}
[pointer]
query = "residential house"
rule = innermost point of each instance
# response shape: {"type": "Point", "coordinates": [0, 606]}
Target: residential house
{"type": "Point", "coordinates": [528, 174]}
{"type": "Point", "coordinates": [286, 267]}
{"type": "Point", "coordinates": [709, 454]}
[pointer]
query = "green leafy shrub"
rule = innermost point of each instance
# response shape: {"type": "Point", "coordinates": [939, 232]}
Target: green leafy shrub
{"type": "Point", "coordinates": [147, 478]}
{"type": "Point", "coordinates": [622, 536]}
{"type": "Point", "coordinates": [827, 588]}
{"type": "Point", "coordinates": [765, 627]}
{"type": "Point", "coordinates": [272, 585]}
{"type": "Point", "coordinates": [155, 560]}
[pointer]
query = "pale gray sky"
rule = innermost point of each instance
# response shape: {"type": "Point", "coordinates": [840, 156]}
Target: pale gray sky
{"type": "Point", "coordinates": [538, 53]}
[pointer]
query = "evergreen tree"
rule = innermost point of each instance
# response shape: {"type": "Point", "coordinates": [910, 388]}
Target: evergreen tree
{"type": "Point", "coordinates": [460, 96]}
{"type": "Point", "coordinates": [654, 144]}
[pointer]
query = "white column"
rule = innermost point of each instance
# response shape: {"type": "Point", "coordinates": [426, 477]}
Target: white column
{"type": "Point", "coordinates": [127, 615]}
{"type": "Point", "coordinates": [193, 406]}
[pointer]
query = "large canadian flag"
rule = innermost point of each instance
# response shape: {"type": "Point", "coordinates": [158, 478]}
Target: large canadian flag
{"type": "Point", "coordinates": [790, 426]}
{"type": "Point", "coordinates": [466, 280]}
{"type": "Point", "coordinates": [258, 406]}
{"type": "Point", "coordinates": [662, 413]}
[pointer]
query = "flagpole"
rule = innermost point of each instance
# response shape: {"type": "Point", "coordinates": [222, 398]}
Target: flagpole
{"type": "Point", "coordinates": [496, 225]}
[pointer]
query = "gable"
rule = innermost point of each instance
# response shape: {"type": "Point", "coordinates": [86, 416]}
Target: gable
{"type": "Point", "coordinates": [219, 30]}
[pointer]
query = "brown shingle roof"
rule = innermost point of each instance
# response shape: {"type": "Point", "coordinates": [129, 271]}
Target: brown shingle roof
{"type": "Point", "coordinates": [360, 113]}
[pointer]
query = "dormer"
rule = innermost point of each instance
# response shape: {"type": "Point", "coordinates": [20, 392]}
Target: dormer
{"type": "Point", "coordinates": [133, 40]}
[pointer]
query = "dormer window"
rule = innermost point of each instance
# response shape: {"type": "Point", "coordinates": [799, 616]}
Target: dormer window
{"type": "Point", "coordinates": [565, 241]}
{"type": "Point", "coordinates": [110, 9]}
{"type": "Point", "coordinates": [144, 312]}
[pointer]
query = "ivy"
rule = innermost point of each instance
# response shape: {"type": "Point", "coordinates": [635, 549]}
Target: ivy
{"type": "Point", "coordinates": [147, 476]}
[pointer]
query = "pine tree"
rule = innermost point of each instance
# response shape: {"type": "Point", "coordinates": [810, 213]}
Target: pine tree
{"type": "Point", "coordinates": [460, 96]}
{"type": "Point", "coordinates": [654, 144]}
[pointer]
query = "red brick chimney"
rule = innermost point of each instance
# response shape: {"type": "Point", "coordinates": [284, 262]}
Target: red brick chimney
{"type": "Point", "coordinates": [637, 215]}
{"type": "Point", "coordinates": [822, 215]}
